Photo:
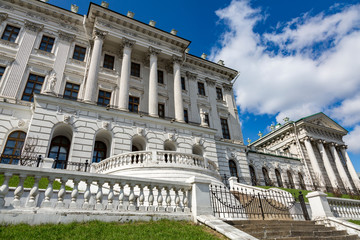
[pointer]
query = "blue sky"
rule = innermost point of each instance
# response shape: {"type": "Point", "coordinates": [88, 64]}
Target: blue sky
{"type": "Point", "coordinates": [296, 57]}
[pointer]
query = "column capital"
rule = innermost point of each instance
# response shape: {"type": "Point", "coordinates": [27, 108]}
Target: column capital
{"type": "Point", "coordinates": [227, 87]}
{"type": "Point", "coordinates": [154, 51]}
{"type": "Point", "coordinates": [177, 59]}
{"type": "Point", "coordinates": [99, 34]}
{"type": "Point", "coordinates": [128, 42]}
{"type": "Point", "coordinates": [66, 36]}
{"type": "Point", "coordinates": [210, 82]}
{"type": "Point", "coordinates": [191, 75]}
{"type": "Point", "coordinates": [3, 17]}
{"type": "Point", "coordinates": [33, 27]}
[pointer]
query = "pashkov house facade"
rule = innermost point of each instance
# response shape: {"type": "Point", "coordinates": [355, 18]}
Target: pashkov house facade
{"type": "Point", "coordinates": [128, 98]}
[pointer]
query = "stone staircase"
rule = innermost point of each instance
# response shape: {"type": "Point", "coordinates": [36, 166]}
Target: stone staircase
{"type": "Point", "coordinates": [290, 230]}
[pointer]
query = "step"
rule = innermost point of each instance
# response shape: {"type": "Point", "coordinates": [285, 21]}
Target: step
{"type": "Point", "coordinates": [343, 237]}
{"type": "Point", "coordinates": [281, 227]}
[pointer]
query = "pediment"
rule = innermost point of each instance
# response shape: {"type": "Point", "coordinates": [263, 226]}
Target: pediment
{"type": "Point", "coordinates": [323, 120]}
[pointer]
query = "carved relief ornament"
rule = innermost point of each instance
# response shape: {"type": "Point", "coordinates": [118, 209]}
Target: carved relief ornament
{"type": "Point", "coordinates": [176, 59]}
{"type": "Point", "coordinates": [128, 43]}
{"type": "Point", "coordinates": [227, 87]}
{"type": "Point", "coordinates": [67, 37]}
{"type": "Point", "coordinates": [210, 82]}
{"type": "Point", "coordinates": [98, 34]}
{"type": "Point", "coordinates": [3, 17]}
{"type": "Point", "coordinates": [154, 51]}
{"type": "Point", "coordinates": [33, 27]}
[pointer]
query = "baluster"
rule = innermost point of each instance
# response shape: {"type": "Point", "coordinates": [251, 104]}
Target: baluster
{"type": "Point", "coordinates": [48, 193]}
{"type": "Point", "coordinates": [61, 194]}
{"type": "Point", "coordinates": [168, 200]}
{"type": "Point", "coordinates": [121, 197]}
{"type": "Point", "coordinates": [4, 189]}
{"type": "Point", "coordinates": [185, 200]}
{"type": "Point", "coordinates": [33, 193]}
{"type": "Point", "coordinates": [19, 191]}
{"type": "Point", "coordinates": [141, 198]}
{"type": "Point", "coordinates": [109, 205]}
{"type": "Point", "coordinates": [160, 207]}
{"type": "Point", "coordinates": [131, 206]}
{"type": "Point", "coordinates": [74, 194]}
{"type": "Point", "coordinates": [99, 196]}
{"type": "Point", "coordinates": [87, 195]}
{"type": "Point", "coordinates": [151, 207]}
{"type": "Point", "coordinates": [177, 201]}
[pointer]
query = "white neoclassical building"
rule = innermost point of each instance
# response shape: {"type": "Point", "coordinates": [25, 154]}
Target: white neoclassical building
{"type": "Point", "coordinates": [131, 100]}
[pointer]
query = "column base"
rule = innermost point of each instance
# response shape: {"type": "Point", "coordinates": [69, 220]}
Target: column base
{"type": "Point", "coordinates": [153, 115]}
{"type": "Point", "coordinates": [180, 121]}
{"type": "Point", "coordinates": [124, 109]}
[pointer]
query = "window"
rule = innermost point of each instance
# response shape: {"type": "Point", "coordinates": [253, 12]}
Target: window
{"type": "Point", "coordinates": [207, 121]}
{"type": "Point", "coordinates": [233, 169]}
{"type": "Point", "coordinates": [266, 177]}
{"type": "Point", "coordinates": [135, 69]}
{"type": "Point", "coordinates": [201, 88]}
{"type": "Point", "coordinates": [2, 70]}
{"type": "Point", "coordinates": [301, 181]}
{"type": "Point", "coordinates": [71, 91]}
{"type": "Point", "coordinates": [100, 150]}
{"type": "Point", "coordinates": [47, 43]}
{"type": "Point", "coordinates": [161, 110]}
{"type": "Point", "coordinates": [183, 87]}
{"type": "Point", "coordinates": [13, 147]}
{"type": "Point", "coordinates": [134, 104]}
{"type": "Point", "coordinates": [253, 176]}
{"type": "Point", "coordinates": [10, 34]}
{"type": "Point", "coordinates": [291, 180]}
{"type": "Point", "coordinates": [225, 128]}
{"type": "Point", "coordinates": [109, 62]}
{"type": "Point", "coordinates": [33, 85]}
{"type": "Point", "coordinates": [278, 178]}
{"type": "Point", "coordinates": [79, 53]}
{"type": "Point", "coordinates": [59, 151]}
{"type": "Point", "coordinates": [186, 116]}
{"type": "Point", "coordinates": [219, 95]}
{"type": "Point", "coordinates": [160, 76]}
{"type": "Point", "coordinates": [104, 98]}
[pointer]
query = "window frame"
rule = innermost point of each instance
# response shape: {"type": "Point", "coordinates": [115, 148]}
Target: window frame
{"type": "Point", "coordinates": [225, 128]}
{"type": "Point", "coordinates": [47, 43]}
{"type": "Point", "coordinates": [12, 32]}
{"type": "Point", "coordinates": [35, 83]}
{"type": "Point", "coordinates": [201, 89]}
{"type": "Point", "coordinates": [186, 115]}
{"type": "Point", "coordinates": [72, 90]}
{"type": "Point", "coordinates": [108, 64]}
{"type": "Point", "coordinates": [160, 80]}
{"type": "Point", "coordinates": [97, 150]}
{"type": "Point", "coordinates": [14, 158]}
{"type": "Point", "coordinates": [219, 94]}
{"type": "Point", "coordinates": [183, 83]}
{"type": "Point", "coordinates": [133, 64]}
{"type": "Point", "coordinates": [134, 103]}
{"type": "Point", "coordinates": [161, 110]}
{"type": "Point", "coordinates": [207, 119]}
{"type": "Point", "coordinates": [75, 51]}
{"type": "Point", "coordinates": [104, 98]}
{"type": "Point", "coordinates": [2, 73]}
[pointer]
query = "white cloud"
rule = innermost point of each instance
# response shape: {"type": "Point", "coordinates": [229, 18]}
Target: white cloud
{"type": "Point", "coordinates": [348, 112]}
{"type": "Point", "coordinates": [291, 85]}
{"type": "Point", "coordinates": [352, 139]}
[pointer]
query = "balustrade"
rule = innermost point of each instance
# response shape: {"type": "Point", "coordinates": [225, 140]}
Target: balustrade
{"type": "Point", "coordinates": [113, 193]}
{"type": "Point", "coordinates": [344, 208]}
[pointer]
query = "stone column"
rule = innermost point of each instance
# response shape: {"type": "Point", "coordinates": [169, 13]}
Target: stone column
{"type": "Point", "coordinates": [314, 162]}
{"type": "Point", "coordinates": [92, 79]}
{"type": "Point", "coordinates": [215, 119]}
{"type": "Point", "coordinates": [125, 75]}
{"type": "Point", "coordinates": [178, 101]}
{"type": "Point", "coordinates": [350, 167]}
{"type": "Point", "coordinates": [153, 82]}
{"type": "Point", "coordinates": [329, 170]}
{"type": "Point", "coordinates": [26, 45]}
{"type": "Point", "coordinates": [340, 167]}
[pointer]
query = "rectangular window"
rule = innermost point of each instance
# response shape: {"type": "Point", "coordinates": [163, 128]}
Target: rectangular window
{"type": "Point", "coordinates": [33, 85]}
{"type": "Point", "coordinates": [47, 43]}
{"type": "Point", "coordinates": [10, 34]}
{"type": "Point", "coordinates": [186, 116]}
{"type": "Point", "coordinates": [160, 76]}
{"type": "Point", "coordinates": [134, 104]}
{"type": "Point", "coordinates": [201, 88]}
{"type": "Point", "coordinates": [109, 62]}
{"type": "Point", "coordinates": [161, 110]}
{"type": "Point", "coordinates": [104, 98]}
{"type": "Point", "coordinates": [219, 95]}
{"type": "Point", "coordinates": [71, 91]}
{"type": "Point", "coordinates": [225, 128]}
{"type": "Point", "coordinates": [207, 121]}
{"type": "Point", "coordinates": [135, 69]}
{"type": "Point", "coordinates": [183, 87]}
{"type": "Point", "coordinates": [2, 70]}
{"type": "Point", "coordinates": [79, 53]}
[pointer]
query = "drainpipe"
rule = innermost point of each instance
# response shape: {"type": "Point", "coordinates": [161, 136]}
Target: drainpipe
{"type": "Point", "coordinates": [302, 153]}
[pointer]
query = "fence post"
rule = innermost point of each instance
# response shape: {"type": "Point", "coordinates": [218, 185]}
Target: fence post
{"type": "Point", "coordinates": [38, 160]}
{"type": "Point", "coordinates": [319, 205]}
{"type": "Point", "coordinates": [86, 165]}
{"type": "Point", "coordinates": [231, 181]}
{"type": "Point", "coordinates": [200, 197]}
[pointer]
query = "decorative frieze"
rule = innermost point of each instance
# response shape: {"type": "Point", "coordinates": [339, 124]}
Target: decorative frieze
{"type": "Point", "coordinates": [67, 37]}
{"type": "Point", "coordinates": [128, 43]}
{"type": "Point", "coordinates": [191, 76]}
{"type": "Point", "coordinates": [177, 59]}
{"type": "Point", "coordinates": [98, 34]}
{"type": "Point", "coordinates": [33, 27]}
{"type": "Point", "coordinates": [210, 82]}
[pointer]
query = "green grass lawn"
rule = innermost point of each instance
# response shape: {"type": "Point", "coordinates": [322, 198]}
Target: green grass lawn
{"type": "Point", "coordinates": [163, 229]}
{"type": "Point", "coordinates": [29, 182]}
{"type": "Point", "coordinates": [354, 221]}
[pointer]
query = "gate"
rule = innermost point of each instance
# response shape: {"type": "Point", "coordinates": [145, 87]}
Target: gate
{"type": "Point", "coordinates": [256, 204]}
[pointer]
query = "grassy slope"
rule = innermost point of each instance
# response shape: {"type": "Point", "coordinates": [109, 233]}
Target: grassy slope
{"type": "Point", "coordinates": [355, 221]}
{"type": "Point", "coordinates": [163, 229]}
{"type": "Point", "coordinates": [29, 182]}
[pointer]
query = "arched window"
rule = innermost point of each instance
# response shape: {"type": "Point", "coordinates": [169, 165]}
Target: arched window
{"type": "Point", "coordinates": [278, 178]}
{"type": "Point", "coordinates": [291, 180]}
{"type": "Point", "coordinates": [233, 169]}
{"type": "Point", "coordinates": [301, 181]}
{"type": "Point", "coordinates": [100, 151]}
{"type": "Point", "coordinates": [59, 151]}
{"type": "Point", "coordinates": [253, 176]}
{"type": "Point", "coordinates": [266, 177]}
{"type": "Point", "coordinates": [138, 144]}
{"type": "Point", "coordinates": [197, 150]}
{"type": "Point", "coordinates": [13, 147]}
{"type": "Point", "coordinates": [169, 146]}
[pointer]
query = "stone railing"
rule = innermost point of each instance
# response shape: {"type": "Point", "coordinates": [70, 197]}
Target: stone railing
{"type": "Point", "coordinates": [106, 193]}
{"type": "Point", "coordinates": [344, 208]}
{"type": "Point", "coordinates": [170, 158]}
